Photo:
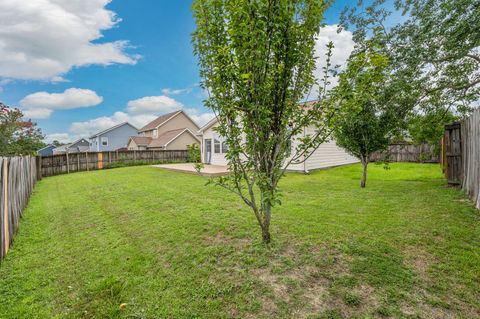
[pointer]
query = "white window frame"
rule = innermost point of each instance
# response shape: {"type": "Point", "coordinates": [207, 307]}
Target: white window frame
{"type": "Point", "coordinates": [104, 139]}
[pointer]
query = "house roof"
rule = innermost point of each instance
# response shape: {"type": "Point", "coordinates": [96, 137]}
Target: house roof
{"type": "Point", "coordinates": [141, 140]}
{"type": "Point", "coordinates": [208, 125]}
{"type": "Point", "coordinates": [112, 128]}
{"type": "Point", "coordinates": [159, 121]}
{"type": "Point", "coordinates": [65, 147]}
{"type": "Point", "coordinates": [168, 137]}
{"type": "Point", "coordinates": [48, 146]}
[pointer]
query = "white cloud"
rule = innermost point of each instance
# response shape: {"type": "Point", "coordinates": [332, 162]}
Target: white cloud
{"type": "Point", "coordinates": [200, 117]}
{"type": "Point", "coordinates": [40, 105]}
{"type": "Point", "coordinates": [44, 39]}
{"type": "Point", "coordinates": [61, 137]}
{"type": "Point", "coordinates": [93, 126]}
{"type": "Point", "coordinates": [169, 91]}
{"type": "Point", "coordinates": [343, 46]}
{"type": "Point", "coordinates": [38, 114]}
{"type": "Point", "coordinates": [153, 105]}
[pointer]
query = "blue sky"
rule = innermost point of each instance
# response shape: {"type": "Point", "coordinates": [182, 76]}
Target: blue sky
{"type": "Point", "coordinates": [71, 85]}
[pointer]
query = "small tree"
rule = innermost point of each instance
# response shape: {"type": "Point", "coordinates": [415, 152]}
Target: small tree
{"type": "Point", "coordinates": [257, 63]}
{"type": "Point", "coordinates": [18, 136]}
{"type": "Point", "coordinates": [368, 119]}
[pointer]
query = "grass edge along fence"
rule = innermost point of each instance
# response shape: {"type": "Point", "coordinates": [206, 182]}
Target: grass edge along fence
{"type": "Point", "coordinates": [18, 176]}
{"type": "Point", "coordinates": [86, 161]}
{"type": "Point", "coordinates": [461, 155]}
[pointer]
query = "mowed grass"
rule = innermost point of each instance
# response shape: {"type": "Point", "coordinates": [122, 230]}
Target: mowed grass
{"type": "Point", "coordinates": [142, 242]}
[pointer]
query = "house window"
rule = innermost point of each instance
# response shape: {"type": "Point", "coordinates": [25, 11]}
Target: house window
{"type": "Point", "coordinates": [224, 147]}
{"type": "Point", "coordinates": [104, 141]}
{"type": "Point", "coordinates": [155, 133]}
{"type": "Point", "coordinates": [216, 146]}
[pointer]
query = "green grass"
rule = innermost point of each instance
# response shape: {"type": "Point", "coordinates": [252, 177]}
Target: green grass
{"type": "Point", "coordinates": [407, 246]}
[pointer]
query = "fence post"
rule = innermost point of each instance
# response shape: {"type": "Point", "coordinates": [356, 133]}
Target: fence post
{"type": "Point", "coordinates": [86, 158]}
{"type": "Point", "coordinates": [100, 160]}
{"type": "Point", "coordinates": [38, 161]}
{"type": "Point", "coordinates": [68, 164]}
{"type": "Point", "coordinates": [5, 206]}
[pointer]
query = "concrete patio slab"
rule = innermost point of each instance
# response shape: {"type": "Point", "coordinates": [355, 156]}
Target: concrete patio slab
{"type": "Point", "coordinates": [208, 170]}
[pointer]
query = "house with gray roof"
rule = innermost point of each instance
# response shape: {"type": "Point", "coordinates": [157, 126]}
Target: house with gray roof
{"type": "Point", "coordinates": [79, 146]}
{"type": "Point", "coordinates": [112, 139]}
{"type": "Point", "coordinates": [47, 150]}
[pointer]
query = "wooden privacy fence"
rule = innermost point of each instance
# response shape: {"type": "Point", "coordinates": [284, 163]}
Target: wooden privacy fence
{"type": "Point", "coordinates": [86, 161]}
{"type": "Point", "coordinates": [461, 155]}
{"type": "Point", "coordinates": [407, 152]}
{"type": "Point", "coordinates": [18, 175]}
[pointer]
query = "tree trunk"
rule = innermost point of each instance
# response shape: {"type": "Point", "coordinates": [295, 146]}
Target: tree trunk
{"type": "Point", "coordinates": [266, 224]}
{"type": "Point", "coordinates": [266, 234]}
{"type": "Point", "coordinates": [364, 174]}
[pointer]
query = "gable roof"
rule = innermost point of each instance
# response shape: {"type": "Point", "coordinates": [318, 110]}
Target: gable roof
{"type": "Point", "coordinates": [112, 128]}
{"type": "Point", "coordinates": [169, 136]}
{"type": "Point", "coordinates": [208, 125]}
{"type": "Point", "coordinates": [141, 140]}
{"type": "Point", "coordinates": [67, 146]}
{"type": "Point", "coordinates": [48, 146]}
{"type": "Point", "coordinates": [159, 121]}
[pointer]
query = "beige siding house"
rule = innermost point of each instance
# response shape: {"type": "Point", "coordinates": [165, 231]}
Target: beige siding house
{"type": "Point", "coordinates": [172, 131]}
{"type": "Point", "coordinates": [329, 154]}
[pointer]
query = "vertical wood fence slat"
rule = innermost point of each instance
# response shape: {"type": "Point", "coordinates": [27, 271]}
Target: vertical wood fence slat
{"type": "Point", "coordinates": [405, 152]}
{"type": "Point", "coordinates": [464, 143]}
{"type": "Point", "coordinates": [60, 164]}
{"type": "Point", "coordinates": [18, 176]}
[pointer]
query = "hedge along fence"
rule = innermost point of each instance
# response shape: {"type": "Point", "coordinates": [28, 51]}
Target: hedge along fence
{"type": "Point", "coordinates": [407, 152]}
{"type": "Point", "coordinates": [86, 161]}
{"type": "Point", "coordinates": [18, 176]}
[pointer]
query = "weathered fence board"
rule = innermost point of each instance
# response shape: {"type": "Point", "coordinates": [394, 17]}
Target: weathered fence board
{"type": "Point", "coordinates": [18, 176]}
{"type": "Point", "coordinates": [471, 156]}
{"type": "Point", "coordinates": [77, 162]}
{"type": "Point", "coordinates": [406, 152]}
{"type": "Point", "coordinates": [461, 153]}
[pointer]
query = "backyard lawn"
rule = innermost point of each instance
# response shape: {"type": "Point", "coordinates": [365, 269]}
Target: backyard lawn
{"type": "Point", "coordinates": [141, 242]}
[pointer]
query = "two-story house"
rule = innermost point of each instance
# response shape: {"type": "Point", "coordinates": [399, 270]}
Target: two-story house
{"type": "Point", "coordinates": [172, 131]}
{"type": "Point", "coordinates": [113, 138]}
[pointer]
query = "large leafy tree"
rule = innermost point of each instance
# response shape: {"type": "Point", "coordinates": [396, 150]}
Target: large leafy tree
{"type": "Point", "coordinates": [369, 118]}
{"type": "Point", "coordinates": [435, 47]}
{"type": "Point", "coordinates": [18, 136]}
{"type": "Point", "coordinates": [257, 62]}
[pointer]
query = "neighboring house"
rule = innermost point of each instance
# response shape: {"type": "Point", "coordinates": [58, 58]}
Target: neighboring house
{"type": "Point", "coordinates": [172, 131]}
{"type": "Point", "coordinates": [113, 138]}
{"type": "Point", "coordinates": [47, 150]}
{"type": "Point", "coordinates": [81, 145]}
{"type": "Point", "coordinates": [327, 155]}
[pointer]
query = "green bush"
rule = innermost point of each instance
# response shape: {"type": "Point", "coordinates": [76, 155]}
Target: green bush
{"type": "Point", "coordinates": [194, 154]}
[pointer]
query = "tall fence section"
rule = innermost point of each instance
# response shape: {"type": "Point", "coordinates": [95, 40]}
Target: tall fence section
{"type": "Point", "coordinates": [18, 176]}
{"type": "Point", "coordinates": [461, 155]}
{"type": "Point", "coordinates": [407, 152]}
{"type": "Point", "coordinates": [86, 161]}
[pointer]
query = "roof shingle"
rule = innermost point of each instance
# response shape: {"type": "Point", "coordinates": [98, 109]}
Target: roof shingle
{"type": "Point", "coordinates": [141, 140]}
{"type": "Point", "coordinates": [158, 121]}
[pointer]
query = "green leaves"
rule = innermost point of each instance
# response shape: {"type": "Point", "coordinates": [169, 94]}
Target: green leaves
{"type": "Point", "coordinates": [257, 61]}
{"type": "Point", "coordinates": [18, 136]}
